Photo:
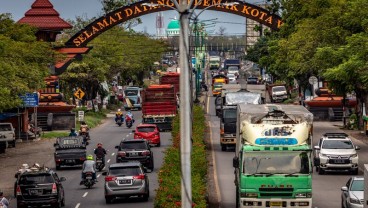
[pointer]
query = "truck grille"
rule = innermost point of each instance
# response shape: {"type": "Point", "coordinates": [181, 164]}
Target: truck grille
{"type": "Point", "coordinates": [276, 192]}
{"type": "Point", "coordinates": [277, 189]}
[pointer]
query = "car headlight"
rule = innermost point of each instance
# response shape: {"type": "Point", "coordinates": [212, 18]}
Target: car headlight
{"type": "Point", "coordinates": [303, 195]}
{"type": "Point", "coordinates": [354, 201]}
{"type": "Point", "coordinates": [354, 155]}
{"type": "Point", "coordinates": [323, 155]}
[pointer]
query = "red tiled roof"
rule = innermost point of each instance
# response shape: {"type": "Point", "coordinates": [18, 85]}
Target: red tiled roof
{"type": "Point", "coordinates": [43, 16]}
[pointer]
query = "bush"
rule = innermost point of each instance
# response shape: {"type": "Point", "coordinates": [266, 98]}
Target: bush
{"type": "Point", "coordinates": [169, 191]}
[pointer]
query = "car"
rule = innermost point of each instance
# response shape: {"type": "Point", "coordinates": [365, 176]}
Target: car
{"type": "Point", "coordinates": [352, 195]}
{"type": "Point", "coordinates": [149, 132]}
{"type": "Point", "coordinates": [135, 150]}
{"type": "Point", "coordinates": [132, 98]}
{"type": "Point", "coordinates": [70, 151]}
{"type": "Point", "coordinates": [336, 151]}
{"type": "Point", "coordinates": [39, 186]}
{"type": "Point", "coordinates": [232, 79]}
{"type": "Point", "coordinates": [7, 136]}
{"type": "Point", "coordinates": [252, 80]}
{"type": "Point", "coordinates": [125, 180]}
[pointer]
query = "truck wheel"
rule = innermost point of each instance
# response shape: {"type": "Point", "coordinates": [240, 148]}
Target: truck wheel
{"type": "Point", "coordinates": [237, 199]}
{"type": "Point", "coordinates": [223, 148]}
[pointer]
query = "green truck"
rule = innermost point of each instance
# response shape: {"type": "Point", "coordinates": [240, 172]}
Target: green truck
{"type": "Point", "coordinates": [215, 62]}
{"type": "Point", "coordinates": [273, 166]}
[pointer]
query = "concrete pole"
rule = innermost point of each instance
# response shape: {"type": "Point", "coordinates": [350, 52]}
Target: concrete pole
{"type": "Point", "coordinates": [185, 108]}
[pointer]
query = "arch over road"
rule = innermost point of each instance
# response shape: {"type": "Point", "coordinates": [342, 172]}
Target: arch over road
{"type": "Point", "coordinates": [102, 24]}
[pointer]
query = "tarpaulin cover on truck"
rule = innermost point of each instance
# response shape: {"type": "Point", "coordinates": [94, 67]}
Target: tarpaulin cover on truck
{"type": "Point", "coordinates": [233, 98]}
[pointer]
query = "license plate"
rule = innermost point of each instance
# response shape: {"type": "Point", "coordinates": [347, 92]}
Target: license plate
{"type": "Point", "coordinates": [339, 161]}
{"type": "Point", "coordinates": [99, 161]}
{"type": "Point", "coordinates": [69, 161]}
{"type": "Point", "coordinates": [125, 181]}
{"type": "Point", "coordinates": [35, 191]}
{"type": "Point", "coordinates": [89, 177]}
{"type": "Point", "coordinates": [133, 154]}
{"type": "Point", "coordinates": [276, 204]}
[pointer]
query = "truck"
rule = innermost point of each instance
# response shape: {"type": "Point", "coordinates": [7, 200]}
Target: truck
{"type": "Point", "coordinates": [228, 114]}
{"type": "Point", "coordinates": [231, 62]}
{"type": "Point", "coordinates": [277, 92]}
{"type": "Point", "coordinates": [159, 105]}
{"type": "Point", "coordinates": [69, 151]}
{"type": "Point", "coordinates": [171, 78]}
{"type": "Point", "coordinates": [215, 62]}
{"type": "Point", "coordinates": [217, 82]}
{"type": "Point", "coordinates": [273, 165]}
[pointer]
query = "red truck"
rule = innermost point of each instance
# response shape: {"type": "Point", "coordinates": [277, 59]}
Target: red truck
{"type": "Point", "coordinates": [171, 78]}
{"type": "Point", "coordinates": [159, 105]}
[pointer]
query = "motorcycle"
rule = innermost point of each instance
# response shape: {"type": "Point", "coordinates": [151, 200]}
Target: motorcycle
{"type": "Point", "coordinates": [119, 120]}
{"type": "Point", "coordinates": [89, 181]}
{"type": "Point", "coordinates": [37, 132]}
{"type": "Point", "coordinates": [128, 122]}
{"type": "Point", "coordinates": [99, 163]}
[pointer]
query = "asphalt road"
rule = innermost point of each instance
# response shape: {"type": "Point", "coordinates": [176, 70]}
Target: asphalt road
{"type": "Point", "coordinates": [110, 135]}
{"type": "Point", "coordinates": [326, 188]}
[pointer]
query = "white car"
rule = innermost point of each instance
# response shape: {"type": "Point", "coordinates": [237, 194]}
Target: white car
{"type": "Point", "coordinates": [352, 195]}
{"type": "Point", "coordinates": [336, 151]}
{"type": "Point", "coordinates": [232, 79]}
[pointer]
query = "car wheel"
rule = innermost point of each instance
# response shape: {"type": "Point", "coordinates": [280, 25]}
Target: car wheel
{"type": "Point", "coordinates": [63, 202]}
{"type": "Point", "coordinates": [13, 143]}
{"type": "Point", "coordinates": [355, 171]}
{"type": "Point", "coordinates": [342, 204]}
{"type": "Point", "coordinates": [152, 166]}
{"type": "Point", "coordinates": [223, 148]}
{"type": "Point", "coordinates": [2, 150]}
{"type": "Point", "coordinates": [58, 167]}
{"type": "Point", "coordinates": [321, 171]}
{"type": "Point", "coordinates": [21, 206]}
{"type": "Point", "coordinates": [237, 198]}
{"type": "Point", "coordinates": [146, 196]}
{"type": "Point", "coordinates": [159, 144]}
{"type": "Point", "coordinates": [108, 200]}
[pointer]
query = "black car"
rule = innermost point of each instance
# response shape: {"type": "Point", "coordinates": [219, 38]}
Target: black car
{"type": "Point", "coordinates": [39, 186]}
{"type": "Point", "coordinates": [70, 151]}
{"type": "Point", "coordinates": [135, 150]}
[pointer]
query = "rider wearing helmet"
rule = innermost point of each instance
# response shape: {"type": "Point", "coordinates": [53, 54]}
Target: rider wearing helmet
{"type": "Point", "coordinates": [118, 114]}
{"type": "Point", "coordinates": [72, 132]}
{"type": "Point", "coordinates": [130, 115]}
{"type": "Point", "coordinates": [89, 166]}
{"type": "Point", "coordinates": [83, 129]}
{"type": "Point", "coordinates": [3, 201]}
{"type": "Point", "coordinates": [100, 152]}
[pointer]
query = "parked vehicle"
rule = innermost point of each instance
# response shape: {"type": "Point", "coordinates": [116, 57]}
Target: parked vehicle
{"type": "Point", "coordinates": [69, 151]}
{"type": "Point", "coordinates": [89, 181]}
{"type": "Point", "coordinates": [352, 194]}
{"type": "Point", "coordinates": [135, 150]}
{"type": "Point", "coordinates": [273, 166]}
{"type": "Point", "coordinates": [277, 92]}
{"type": "Point", "coordinates": [39, 186]}
{"type": "Point", "coordinates": [159, 106]}
{"type": "Point", "coordinates": [126, 180]}
{"type": "Point", "coordinates": [7, 136]}
{"type": "Point", "coordinates": [132, 98]}
{"type": "Point", "coordinates": [149, 132]}
{"type": "Point", "coordinates": [334, 152]}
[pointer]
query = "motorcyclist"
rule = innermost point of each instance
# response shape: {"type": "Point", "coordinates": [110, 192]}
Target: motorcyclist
{"type": "Point", "coordinates": [118, 114]}
{"type": "Point", "coordinates": [3, 200]}
{"type": "Point", "coordinates": [84, 128]}
{"type": "Point", "coordinates": [130, 115]}
{"type": "Point", "coordinates": [100, 152]}
{"type": "Point", "coordinates": [89, 166]}
{"type": "Point", "coordinates": [72, 132]}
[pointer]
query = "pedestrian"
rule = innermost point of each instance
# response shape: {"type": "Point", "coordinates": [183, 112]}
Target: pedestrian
{"type": "Point", "coordinates": [3, 200]}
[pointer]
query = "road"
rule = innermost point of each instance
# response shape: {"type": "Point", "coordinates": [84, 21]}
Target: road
{"type": "Point", "coordinates": [110, 135]}
{"type": "Point", "coordinates": [326, 188]}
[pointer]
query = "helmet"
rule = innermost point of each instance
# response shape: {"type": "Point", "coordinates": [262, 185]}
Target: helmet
{"type": "Point", "coordinates": [99, 145]}
{"type": "Point", "coordinates": [119, 110]}
{"type": "Point", "coordinates": [83, 123]}
{"type": "Point", "coordinates": [90, 157]}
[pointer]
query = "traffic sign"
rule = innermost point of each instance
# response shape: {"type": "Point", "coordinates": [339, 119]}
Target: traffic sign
{"type": "Point", "coordinates": [81, 115]}
{"type": "Point", "coordinates": [30, 99]}
{"type": "Point", "coordinates": [312, 80]}
{"type": "Point", "coordinates": [79, 94]}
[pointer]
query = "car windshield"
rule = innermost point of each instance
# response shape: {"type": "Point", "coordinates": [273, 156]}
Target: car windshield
{"type": "Point", "coordinates": [5, 127]}
{"type": "Point", "coordinates": [278, 89]}
{"type": "Point", "coordinates": [229, 115]}
{"type": "Point", "coordinates": [131, 92]}
{"type": "Point", "coordinates": [125, 171]}
{"type": "Point", "coordinates": [357, 185]}
{"type": "Point", "coordinates": [276, 162]}
{"type": "Point", "coordinates": [337, 144]}
{"type": "Point", "coordinates": [36, 179]}
{"type": "Point", "coordinates": [133, 145]}
{"type": "Point", "coordinates": [146, 129]}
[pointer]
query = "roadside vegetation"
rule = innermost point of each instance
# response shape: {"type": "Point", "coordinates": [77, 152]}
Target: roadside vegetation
{"type": "Point", "coordinates": [169, 191]}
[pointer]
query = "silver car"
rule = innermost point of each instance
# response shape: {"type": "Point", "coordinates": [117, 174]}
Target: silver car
{"type": "Point", "coordinates": [126, 180]}
{"type": "Point", "coordinates": [352, 195]}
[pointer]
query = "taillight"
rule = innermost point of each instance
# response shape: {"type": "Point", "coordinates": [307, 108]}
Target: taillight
{"type": "Point", "coordinates": [140, 176]}
{"type": "Point", "coordinates": [146, 152]}
{"type": "Point", "coordinates": [110, 178]}
{"type": "Point", "coordinates": [19, 192]}
{"type": "Point", "coordinates": [122, 154]}
{"type": "Point", "coordinates": [54, 189]}
{"type": "Point", "coordinates": [139, 100]}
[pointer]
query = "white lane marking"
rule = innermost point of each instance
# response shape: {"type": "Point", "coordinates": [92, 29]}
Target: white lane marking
{"type": "Point", "coordinates": [113, 154]}
{"type": "Point", "coordinates": [98, 175]}
{"type": "Point", "coordinates": [214, 165]}
{"type": "Point", "coordinates": [85, 194]}
{"type": "Point", "coordinates": [77, 205]}
{"type": "Point", "coordinates": [208, 104]}
{"type": "Point", "coordinates": [130, 133]}
{"type": "Point", "coordinates": [108, 160]}
{"type": "Point", "coordinates": [127, 135]}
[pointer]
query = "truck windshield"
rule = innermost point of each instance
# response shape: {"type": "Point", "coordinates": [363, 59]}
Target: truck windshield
{"type": "Point", "coordinates": [276, 162]}
{"type": "Point", "coordinates": [229, 115]}
{"type": "Point", "coordinates": [218, 85]}
{"type": "Point", "coordinates": [278, 89]}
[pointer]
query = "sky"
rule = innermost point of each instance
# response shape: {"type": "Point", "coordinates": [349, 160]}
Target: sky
{"type": "Point", "coordinates": [69, 9]}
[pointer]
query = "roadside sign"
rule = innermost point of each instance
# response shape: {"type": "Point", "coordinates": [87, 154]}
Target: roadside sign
{"type": "Point", "coordinates": [79, 94]}
{"type": "Point", "coordinates": [312, 80]}
{"type": "Point", "coordinates": [30, 99]}
{"type": "Point", "coordinates": [80, 115]}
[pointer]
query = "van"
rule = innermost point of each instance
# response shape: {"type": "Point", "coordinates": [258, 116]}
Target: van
{"type": "Point", "coordinates": [7, 136]}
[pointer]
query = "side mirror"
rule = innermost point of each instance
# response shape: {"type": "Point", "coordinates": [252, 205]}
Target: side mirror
{"type": "Point", "coordinates": [133, 131]}
{"type": "Point", "coordinates": [344, 188]}
{"type": "Point", "coordinates": [62, 179]}
{"type": "Point", "coordinates": [104, 173]}
{"type": "Point", "coordinates": [317, 148]}
{"type": "Point", "coordinates": [116, 147]}
{"type": "Point", "coordinates": [357, 148]}
{"type": "Point", "coordinates": [236, 162]}
{"type": "Point", "coordinates": [56, 144]}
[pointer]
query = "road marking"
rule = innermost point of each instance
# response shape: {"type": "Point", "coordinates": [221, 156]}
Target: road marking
{"type": "Point", "coordinates": [127, 135]}
{"type": "Point", "coordinates": [208, 106]}
{"type": "Point", "coordinates": [108, 160]}
{"type": "Point", "coordinates": [113, 154]}
{"type": "Point", "coordinates": [98, 175]}
{"type": "Point", "coordinates": [85, 194]}
{"type": "Point", "coordinates": [77, 205]}
{"type": "Point", "coordinates": [214, 166]}
{"type": "Point", "coordinates": [130, 133]}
